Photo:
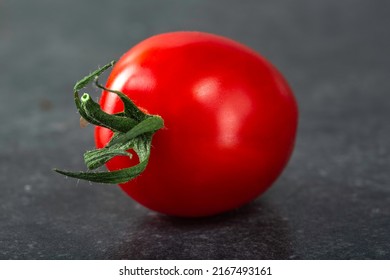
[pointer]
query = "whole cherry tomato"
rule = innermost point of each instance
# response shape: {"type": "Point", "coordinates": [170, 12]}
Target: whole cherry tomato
{"type": "Point", "coordinates": [230, 122]}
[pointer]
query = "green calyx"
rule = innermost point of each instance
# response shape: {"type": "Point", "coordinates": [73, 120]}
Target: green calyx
{"type": "Point", "coordinates": [133, 130]}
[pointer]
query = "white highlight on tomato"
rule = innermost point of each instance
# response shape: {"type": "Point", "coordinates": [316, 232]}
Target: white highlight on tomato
{"type": "Point", "coordinates": [210, 93]}
{"type": "Point", "coordinates": [206, 91]}
{"type": "Point", "coordinates": [230, 119]}
{"type": "Point", "coordinates": [134, 77]}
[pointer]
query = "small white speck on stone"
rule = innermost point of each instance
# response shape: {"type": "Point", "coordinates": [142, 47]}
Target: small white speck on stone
{"type": "Point", "coordinates": [375, 211]}
{"type": "Point", "coordinates": [27, 188]}
{"type": "Point", "coordinates": [137, 206]}
{"type": "Point", "coordinates": [323, 172]}
{"type": "Point", "coordinates": [358, 182]}
{"type": "Point", "coordinates": [152, 214]}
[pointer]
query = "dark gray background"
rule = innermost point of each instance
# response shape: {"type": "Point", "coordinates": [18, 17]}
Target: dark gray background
{"type": "Point", "coordinates": [332, 201]}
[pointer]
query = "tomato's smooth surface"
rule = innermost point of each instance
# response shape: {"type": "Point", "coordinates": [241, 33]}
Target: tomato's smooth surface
{"type": "Point", "coordinates": [230, 122]}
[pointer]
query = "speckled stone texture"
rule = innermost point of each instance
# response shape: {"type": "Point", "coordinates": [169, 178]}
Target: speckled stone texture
{"type": "Point", "coordinates": [333, 200]}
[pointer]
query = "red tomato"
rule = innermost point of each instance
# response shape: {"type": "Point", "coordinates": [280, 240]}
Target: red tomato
{"type": "Point", "coordinates": [230, 122]}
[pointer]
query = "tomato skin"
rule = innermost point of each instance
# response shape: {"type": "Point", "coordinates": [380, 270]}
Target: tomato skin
{"type": "Point", "coordinates": [230, 122]}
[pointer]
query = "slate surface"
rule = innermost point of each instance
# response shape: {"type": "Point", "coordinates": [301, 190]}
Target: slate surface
{"type": "Point", "coordinates": [333, 200]}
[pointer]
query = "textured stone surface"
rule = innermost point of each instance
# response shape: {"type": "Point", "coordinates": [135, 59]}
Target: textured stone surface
{"type": "Point", "coordinates": [333, 200]}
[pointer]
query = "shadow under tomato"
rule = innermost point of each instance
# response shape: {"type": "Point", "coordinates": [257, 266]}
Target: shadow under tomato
{"type": "Point", "coordinates": [255, 231]}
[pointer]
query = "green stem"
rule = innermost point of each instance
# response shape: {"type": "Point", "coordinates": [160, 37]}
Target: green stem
{"type": "Point", "coordinates": [130, 108]}
{"type": "Point", "coordinates": [113, 122]}
{"type": "Point", "coordinates": [133, 129]}
{"type": "Point", "coordinates": [119, 176]}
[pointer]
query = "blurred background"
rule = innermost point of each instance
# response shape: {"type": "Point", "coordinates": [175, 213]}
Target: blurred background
{"type": "Point", "coordinates": [332, 201]}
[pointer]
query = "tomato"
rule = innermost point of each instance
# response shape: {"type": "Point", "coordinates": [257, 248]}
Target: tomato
{"type": "Point", "coordinates": [230, 122]}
